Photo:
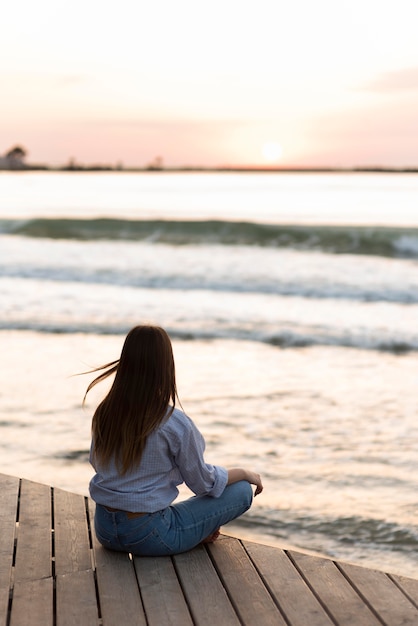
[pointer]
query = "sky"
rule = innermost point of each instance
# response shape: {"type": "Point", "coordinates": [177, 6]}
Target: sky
{"type": "Point", "coordinates": [222, 83]}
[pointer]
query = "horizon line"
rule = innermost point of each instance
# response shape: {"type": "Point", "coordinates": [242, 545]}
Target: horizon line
{"type": "Point", "coordinates": [221, 168]}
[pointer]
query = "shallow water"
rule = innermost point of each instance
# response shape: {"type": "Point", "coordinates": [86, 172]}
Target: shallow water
{"type": "Point", "coordinates": [297, 358]}
{"type": "Point", "coordinates": [336, 452]}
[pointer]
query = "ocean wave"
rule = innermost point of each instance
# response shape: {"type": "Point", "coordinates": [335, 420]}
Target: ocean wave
{"type": "Point", "coordinates": [362, 240]}
{"type": "Point", "coordinates": [218, 283]}
{"type": "Point", "coordinates": [353, 530]}
{"type": "Point", "coordinates": [79, 456]}
{"type": "Point", "coordinates": [282, 339]}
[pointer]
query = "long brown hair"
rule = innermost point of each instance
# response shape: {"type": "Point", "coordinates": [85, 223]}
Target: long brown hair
{"type": "Point", "coordinates": [138, 400]}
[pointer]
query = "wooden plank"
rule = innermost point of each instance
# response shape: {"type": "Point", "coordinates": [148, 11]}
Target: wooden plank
{"type": "Point", "coordinates": [33, 553]}
{"type": "Point", "coordinates": [9, 490]}
{"type": "Point", "coordinates": [76, 599]}
{"type": "Point", "coordinates": [162, 596]}
{"type": "Point", "coordinates": [409, 586]}
{"type": "Point", "coordinates": [32, 603]}
{"type": "Point", "coordinates": [285, 584]}
{"type": "Point", "coordinates": [382, 594]}
{"type": "Point", "coordinates": [119, 596]}
{"type": "Point", "coordinates": [248, 594]}
{"type": "Point", "coordinates": [334, 591]}
{"type": "Point", "coordinates": [204, 592]}
{"type": "Point", "coordinates": [72, 546]}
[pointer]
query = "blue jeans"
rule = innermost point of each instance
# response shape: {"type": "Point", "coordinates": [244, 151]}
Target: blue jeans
{"type": "Point", "coordinates": [178, 528]}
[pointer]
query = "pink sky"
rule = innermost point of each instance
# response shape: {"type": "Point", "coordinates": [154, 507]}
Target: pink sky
{"type": "Point", "coordinates": [225, 83]}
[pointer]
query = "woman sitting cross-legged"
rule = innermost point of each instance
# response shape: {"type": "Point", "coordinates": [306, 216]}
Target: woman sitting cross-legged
{"type": "Point", "coordinates": [143, 448]}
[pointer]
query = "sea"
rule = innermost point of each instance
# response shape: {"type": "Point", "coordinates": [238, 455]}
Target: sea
{"type": "Point", "coordinates": [292, 303]}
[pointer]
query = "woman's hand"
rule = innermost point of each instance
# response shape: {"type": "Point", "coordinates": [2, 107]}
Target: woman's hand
{"type": "Point", "coordinates": [255, 479]}
{"type": "Point", "coordinates": [238, 473]}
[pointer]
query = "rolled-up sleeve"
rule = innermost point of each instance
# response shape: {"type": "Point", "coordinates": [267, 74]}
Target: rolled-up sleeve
{"type": "Point", "coordinates": [188, 449]}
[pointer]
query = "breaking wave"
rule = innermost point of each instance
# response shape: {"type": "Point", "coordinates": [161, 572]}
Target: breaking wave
{"type": "Point", "coordinates": [362, 240]}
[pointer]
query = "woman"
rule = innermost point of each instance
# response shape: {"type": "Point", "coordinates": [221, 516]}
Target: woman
{"type": "Point", "coordinates": [143, 447]}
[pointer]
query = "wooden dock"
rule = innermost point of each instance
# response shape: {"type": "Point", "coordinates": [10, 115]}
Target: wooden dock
{"type": "Point", "coordinates": [54, 573]}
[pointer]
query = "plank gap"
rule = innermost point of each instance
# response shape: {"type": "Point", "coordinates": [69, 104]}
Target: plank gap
{"type": "Point", "coordinates": [52, 535]}
{"type": "Point", "coordinates": [9, 607]}
{"type": "Point", "coordinates": [405, 593]}
{"type": "Point", "coordinates": [88, 519]}
{"type": "Point", "coordinates": [52, 508]}
{"type": "Point", "coordinates": [13, 564]}
{"type": "Point", "coordinates": [14, 551]}
{"type": "Point", "coordinates": [363, 597]}
{"type": "Point", "coordinates": [96, 587]}
{"type": "Point", "coordinates": [90, 531]}
{"type": "Point", "coordinates": [53, 571]}
{"type": "Point", "coordinates": [18, 501]}
{"type": "Point", "coordinates": [54, 601]}
{"type": "Point", "coordinates": [93, 563]}
{"type": "Point", "coordinates": [141, 599]}
{"type": "Point", "coordinates": [298, 569]}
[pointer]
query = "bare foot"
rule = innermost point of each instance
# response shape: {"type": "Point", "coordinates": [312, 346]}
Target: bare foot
{"type": "Point", "coordinates": [213, 537]}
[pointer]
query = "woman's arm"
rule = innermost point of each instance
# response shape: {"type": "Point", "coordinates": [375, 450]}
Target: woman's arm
{"type": "Point", "coordinates": [187, 446]}
{"type": "Point", "coordinates": [238, 473]}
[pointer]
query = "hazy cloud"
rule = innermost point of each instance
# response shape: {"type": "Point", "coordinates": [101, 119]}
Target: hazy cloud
{"type": "Point", "coordinates": [405, 79]}
{"type": "Point", "coordinates": [383, 134]}
{"type": "Point", "coordinates": [69, 79]}
{"type": "Point", "coordinates": [44, 79]}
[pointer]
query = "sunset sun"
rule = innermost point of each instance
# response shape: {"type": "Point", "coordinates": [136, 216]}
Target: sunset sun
{"type": "Point", "coordinates": [272, 151]}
